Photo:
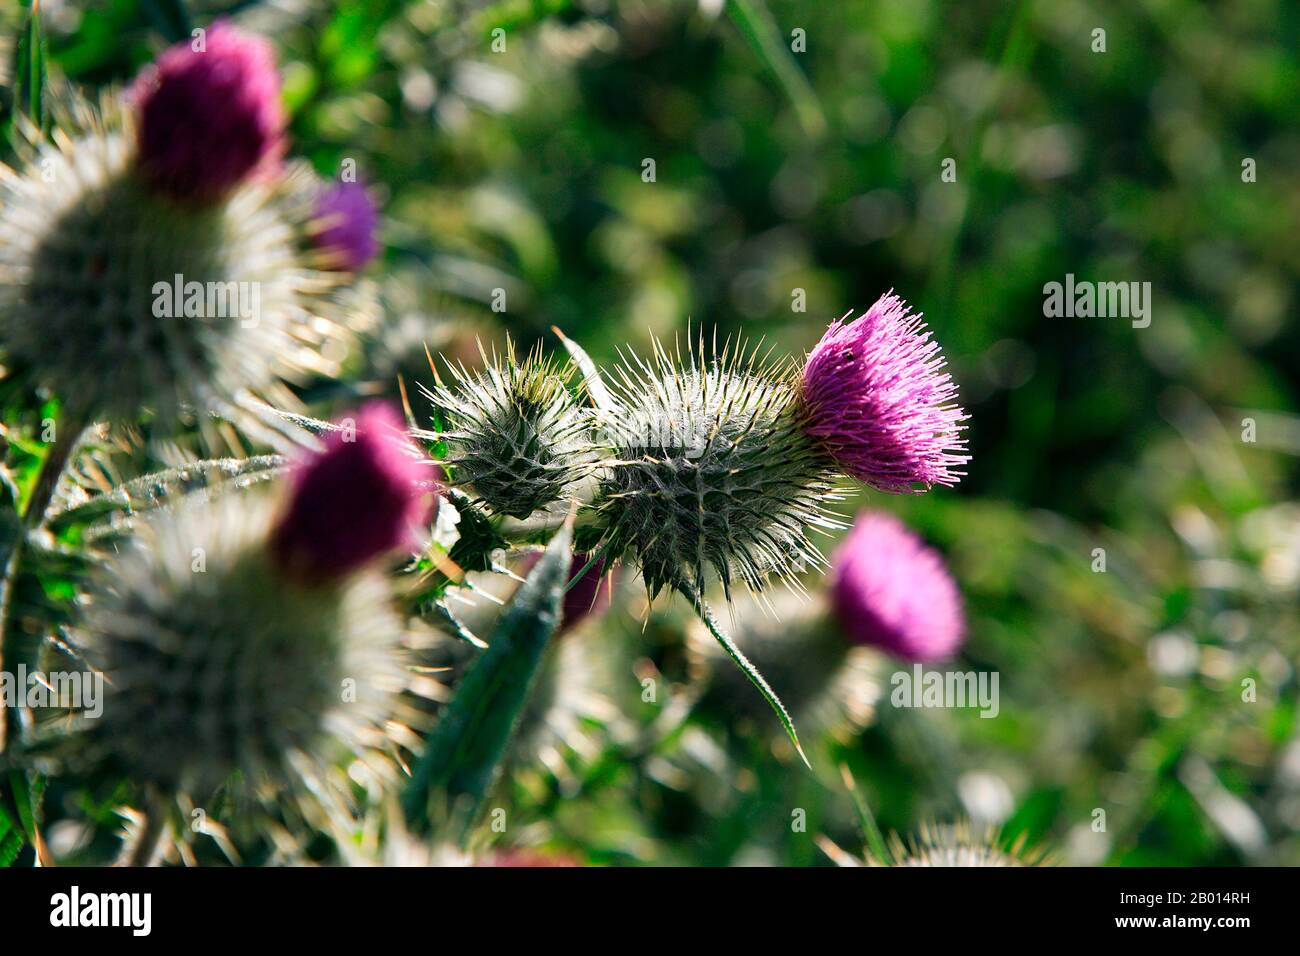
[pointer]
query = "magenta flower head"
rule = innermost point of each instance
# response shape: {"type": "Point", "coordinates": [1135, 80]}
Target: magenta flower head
{"type": "Point", "coordinates": [891, 591]}
{"type": "Point", "coordinates": [347, 221]}
{"type": "Point", "coordinates": [362, 497]}
{"type": "Point", "coordinates": [877, 398]}
{"type": "Point", "coordinates": [590, 596]}
{"type": "Point", "coordinates": [209, 115]}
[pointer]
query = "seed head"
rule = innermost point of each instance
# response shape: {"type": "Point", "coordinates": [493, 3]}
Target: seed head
{"type": "Point", "coordinates": [876, 396]}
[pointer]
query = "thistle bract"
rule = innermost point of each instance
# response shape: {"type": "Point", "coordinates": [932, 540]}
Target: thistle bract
{"type": "Point", "coordinates": [877, 397]}
{"type": "Point", "coordinates": [220, 665]}
{"type": "Point", "coordinates": [712, 477]}
{"type": "Point", "coordinates": [891, 591]}
{"type": "Point", "coordinates": [515, 437]}
{"type": "Point", "coordinates": [209, 115]}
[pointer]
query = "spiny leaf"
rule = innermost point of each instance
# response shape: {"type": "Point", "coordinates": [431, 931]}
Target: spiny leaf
{"type": "Point", "coordinates": [154, 490]}
{"type": "Point", "coordinates": [463, 753]}
{"type": "Point", "coordinates": [706, 615]}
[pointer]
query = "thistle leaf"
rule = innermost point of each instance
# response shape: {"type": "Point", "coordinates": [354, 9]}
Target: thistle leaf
{"type": "Point", "coordinates": [463, 754]}
{"type": "Point", "coordinates": [706, 615]}
{"type": "Point", "coordinates": [30, 70]}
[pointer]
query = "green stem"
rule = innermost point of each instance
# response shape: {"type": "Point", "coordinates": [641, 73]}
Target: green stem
{"type": "Point", "coordinates": [706, 615]}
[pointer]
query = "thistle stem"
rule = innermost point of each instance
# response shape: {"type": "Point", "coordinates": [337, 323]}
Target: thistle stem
{"type": "Point", "coordinates": [67, 437]}
{"type": "Point", "coordinates": [705, 614]}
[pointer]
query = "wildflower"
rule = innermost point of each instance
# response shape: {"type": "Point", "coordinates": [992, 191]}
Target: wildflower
{"type": "Point", "coordinates": [221, 666]}
{"type": "Point", "coordinates": [360, 499]}
{"type": "Point", "coordinates": [891, 591]}
{"type": "Point", "coordinates": [209, 115]}
{"type": "Point", "coordinates": [121, 300]}
{"type": "Point", "coordinates": [712, 476]}
{"type": "Point", "coordinates": [514, 434]}
{"type": "Point", "coordinates": [877, 397]}
{"type": "Point", "coordinates": [346, 222]}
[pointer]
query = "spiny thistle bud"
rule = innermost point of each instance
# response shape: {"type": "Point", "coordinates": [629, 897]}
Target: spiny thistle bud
{"type": "Point", "coordinates": [346, 222]}
{"type": "Point", "coordinates": [359, 499]}
{"type": "Point", "coordinates": [891, 591]}
{"type": "Point", "coordinates": [209, 115]}
{"type": "Point", "coordinates": [515, 437]}
{"type": "Point", "coordinates": [876, 396]}
{"type": "Point", "coordinates": [220, 665]}
{"type": "Point", "coordinates": [713, 474]}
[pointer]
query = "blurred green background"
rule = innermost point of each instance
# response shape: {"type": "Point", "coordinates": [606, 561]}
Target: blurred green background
{"type": "Point", "coordinates": [791, 186]}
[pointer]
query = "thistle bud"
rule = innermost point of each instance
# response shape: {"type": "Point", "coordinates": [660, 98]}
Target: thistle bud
{"type": "Point", "coordinates": [347, 220]}
{"type": "Point", "coordinates": [515, 437]}
{"type": "Point", "coordinates": [713, 475]}
{"type": "Point", "coordinates": [876, 396]}
{"type": "Point", "coordinates": [358, 500]}
{"type": "Point", "coordinates": [891, 591]}
{"type": "Point", "coordinates": [209, 115]}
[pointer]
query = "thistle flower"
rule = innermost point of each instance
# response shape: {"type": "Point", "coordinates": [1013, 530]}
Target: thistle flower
{"type": "Point", "coordinates": [876, 397]}
{"type": "Point", "coordinates": [590, 595]}
{"type": "Point", "coordinates": [514, 434]}
{"type": "Point", "coordinates": [122, 301]}
{"type": "Point", "coordinates": [209, 115]}
{"type": "Point", "coordinates": [713, 475]}
{"type": "Point", "coordinates": [220, 666]}
{"type": "Point", "coordinates": [360, 499]}
{"type": "Point", "coordinates": [891, 591]}
{"type": "Point", "coordinates": [346, 222]}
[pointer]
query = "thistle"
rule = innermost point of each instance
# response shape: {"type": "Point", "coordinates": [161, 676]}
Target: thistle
{"type": "Point", "coordinates": [247, 647]}
{"type": "Point", "coordinates": [891, 591]}
{"type": "Point", "coordinates": [346, 220]}
{"type": "Point", "coordinates": [142, 265]}
{"type": "Point", "coordinates": [515, 437]}
{"type": "Point", "coordinates": [222, 668]}
{"type": "Point", "coordinates": [875, 395]}
{"type": "Point", "coordinates": [360, 499]}
{"type": "Point", "coordinates": [209, 115]}
{"type": "Point", "coordinates": [713, 476]}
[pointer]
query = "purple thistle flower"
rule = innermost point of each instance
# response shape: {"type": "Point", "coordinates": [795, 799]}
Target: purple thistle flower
{"type": "Point", "coordinates": [209, 119]}
{"type": "Point", "coordinates": [359, 499]}
{"type": "Point", "coordinates": [891, 591]}
{"type": "Point", "coordinates": [347, 220]}
{"type": "Point", "coordinates": [877, 398]}
{"type": "Point", "coordinates": [590, 596]}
